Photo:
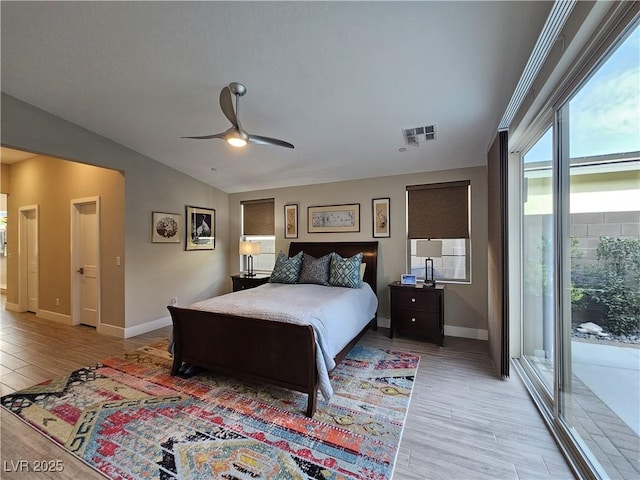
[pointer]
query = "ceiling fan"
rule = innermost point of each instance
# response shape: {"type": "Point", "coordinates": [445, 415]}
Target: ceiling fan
{"type": "Point", "coordinates": [236, 135]}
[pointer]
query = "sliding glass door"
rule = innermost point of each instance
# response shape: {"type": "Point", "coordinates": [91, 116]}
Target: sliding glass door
{"type": "Point", "coordinates": [538, 227]}
{"type": "Point", "coordinates": [599, 140]}
{"type": "Point", "coordinates": [580, 240]}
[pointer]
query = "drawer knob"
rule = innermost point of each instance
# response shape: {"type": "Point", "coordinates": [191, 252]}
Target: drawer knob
{"type": "Point", "coordinates": [413, 300]}
{"type": "Point", "coordinates": [413, 319]}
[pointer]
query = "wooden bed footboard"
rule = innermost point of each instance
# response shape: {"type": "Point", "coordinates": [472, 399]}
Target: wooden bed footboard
{"type": "Point", "coordinates": [275, 353]}
{"type": "Point", "coordinates": [280, 354]}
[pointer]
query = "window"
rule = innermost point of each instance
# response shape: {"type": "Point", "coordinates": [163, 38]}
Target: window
{"type": "Point", "coordinates": [258, 225]}
{"type": "Point", "coordinates": [580, 266]}
{"type": "Point", "coordinates": [440, 211]}
{"type": "Point", "coordinates": [452, 266]}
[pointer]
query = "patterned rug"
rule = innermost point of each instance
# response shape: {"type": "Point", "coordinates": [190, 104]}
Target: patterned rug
{"type": "Point", "coordinates": [128, 418]}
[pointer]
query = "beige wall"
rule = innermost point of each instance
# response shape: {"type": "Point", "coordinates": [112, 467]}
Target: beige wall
{"type": "Point", "coordinates": [52, 184]}
{"type": "Point", "coordinates": [465, 305]}
{"type": "Point", "coordinates": [5, 177]}
{"type": "Point", "coordinates": [154, 273]}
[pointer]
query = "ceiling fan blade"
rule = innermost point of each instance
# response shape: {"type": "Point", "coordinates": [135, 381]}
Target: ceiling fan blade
{"type": "Point", "coordinates": [226, 104]}
{"type": "Point", "coordinates": [257, 139]}
{"type": "Point", "coordinates": [207, 137]}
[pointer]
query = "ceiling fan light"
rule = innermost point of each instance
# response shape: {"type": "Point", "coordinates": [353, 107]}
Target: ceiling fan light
{"type": "Point", "coordinates": [236, 141]}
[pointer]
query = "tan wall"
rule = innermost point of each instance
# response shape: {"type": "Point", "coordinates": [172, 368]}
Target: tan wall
{"type": "Point", "coordinates": [52, 184]}
{"type": "Point", "coordinates": [465, 304]}
{"type": "Point", "coordinates": [5, 177]}
{"type": "Point", "coordinates": [154, 273]}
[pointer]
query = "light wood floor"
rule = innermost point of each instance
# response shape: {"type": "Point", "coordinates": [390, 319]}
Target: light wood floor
{"type": "Point", "coordinates": [463, 422]}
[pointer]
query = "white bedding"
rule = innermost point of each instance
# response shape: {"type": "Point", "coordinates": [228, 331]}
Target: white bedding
{"type": "Point", "coordinates": [337, 314]}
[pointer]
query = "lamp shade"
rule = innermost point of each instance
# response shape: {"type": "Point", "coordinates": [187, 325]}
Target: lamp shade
{"type": "Point", "coordinates": [429, 248]}
{"type": "Point", "coordinates": [249, 248]}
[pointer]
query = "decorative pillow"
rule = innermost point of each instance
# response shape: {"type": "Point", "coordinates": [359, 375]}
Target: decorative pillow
{"type": "Point", "coordinates": [286, 270]}
{"type": "Point", "coordinates": [315, 270]}
{"type": "Point", "coordinates": [363, 267]}
{"type": "Point", "coordinates": [345, 272]}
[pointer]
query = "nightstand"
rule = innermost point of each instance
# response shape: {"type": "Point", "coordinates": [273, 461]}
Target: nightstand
{"type": "Point", "coordinates": [242, 282]}
{"type": "Point", "coordinates": [417, 311]}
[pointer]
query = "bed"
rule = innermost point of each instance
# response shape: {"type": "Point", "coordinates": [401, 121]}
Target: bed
{"type": "Point", "coordinates": [267, 351]}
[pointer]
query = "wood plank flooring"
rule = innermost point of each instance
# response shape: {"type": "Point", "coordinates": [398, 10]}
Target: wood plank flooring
{"type": "Point", "coordinates": [463, 422]}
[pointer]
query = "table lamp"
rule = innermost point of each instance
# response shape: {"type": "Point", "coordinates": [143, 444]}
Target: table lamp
{"type": "Point", "coordinates": [250, 248]}
{"type": "Point", "coordinates": [429, 249]}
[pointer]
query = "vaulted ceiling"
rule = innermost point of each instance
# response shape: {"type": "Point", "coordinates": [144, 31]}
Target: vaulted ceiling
{"type": "Point", "coordinates": [339, 80]}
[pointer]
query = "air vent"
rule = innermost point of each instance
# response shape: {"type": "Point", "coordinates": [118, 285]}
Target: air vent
{"type": "Point", "coordinates": [415, 136]}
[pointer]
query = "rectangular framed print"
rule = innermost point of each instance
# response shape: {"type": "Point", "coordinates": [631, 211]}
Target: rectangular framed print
{"type": "Point", "coordinates": [165, 227]}
{"type": "Point", "coordinates": [200, 231]}
{"type": "Point", "coordinates": [334, 218]}
{"type": "Point", "coordinates": [291, 221]}
{"type": "Point", "coordinates": [380, 217]}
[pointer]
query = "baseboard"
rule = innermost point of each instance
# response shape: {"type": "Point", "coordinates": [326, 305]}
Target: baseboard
{"type": "Point", "coordinates": [147, 327]}
{"type": "Point", "coordinates": [449, 330]}
{"type": "Point", "coordinates": [384, 322]}
{"type": "Point", "coordinates": [12, 307]}
{"type": "Point", "coordinates": [110, 330]}
{"type": "Point", "coordinates": [465, 332]}
{"type": "Point", "coordinates": [54, 316]}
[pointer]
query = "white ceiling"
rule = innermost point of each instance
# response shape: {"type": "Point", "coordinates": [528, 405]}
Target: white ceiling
{"type": "Point", "coordinates": [339, 80]}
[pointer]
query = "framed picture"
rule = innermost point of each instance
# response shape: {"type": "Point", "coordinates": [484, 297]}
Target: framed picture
{"type": "Point", "coordinates": [165, 227]}
{"type": "Point", "coordinates": [201, 228]}
{"type": "Point", "coordinates": [291, 221]}
{"type": "Point", "coordinates": [380, 217]}
{"type": "Point", "coordinates": [334, 218]}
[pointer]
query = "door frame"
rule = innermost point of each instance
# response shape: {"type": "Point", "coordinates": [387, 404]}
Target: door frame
{"type": "Point", "coordinates": [23, 273]}
{"type": "Point", "coordinates": [75, 258]}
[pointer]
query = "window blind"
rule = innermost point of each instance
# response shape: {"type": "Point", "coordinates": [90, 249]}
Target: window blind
{"type": "Point", "coordinates": [258, 217]}
{"type": "Point", "coordinates": [438, 210]}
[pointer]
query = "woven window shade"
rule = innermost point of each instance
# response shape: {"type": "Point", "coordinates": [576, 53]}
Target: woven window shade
{"type": "Point", "coordinates": [258, 217]}
{"type": "Point", "coordinates": [438, 210]}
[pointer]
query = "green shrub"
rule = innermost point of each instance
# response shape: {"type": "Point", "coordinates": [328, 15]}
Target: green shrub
{"type": "Point", "coordinates": [614, 282]}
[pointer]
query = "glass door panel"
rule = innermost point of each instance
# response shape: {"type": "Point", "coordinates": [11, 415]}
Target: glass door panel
{"type": "Point", "coordinates": [537, 243]}
{"type": "Point", "coordinates": [599, 148]}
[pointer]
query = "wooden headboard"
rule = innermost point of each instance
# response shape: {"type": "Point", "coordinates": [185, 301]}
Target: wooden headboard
{"type": "Point", "coordinates": [344, 249]}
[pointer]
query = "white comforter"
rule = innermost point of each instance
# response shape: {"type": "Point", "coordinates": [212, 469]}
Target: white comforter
{"type": "Point", "coordinates": [337, 314]}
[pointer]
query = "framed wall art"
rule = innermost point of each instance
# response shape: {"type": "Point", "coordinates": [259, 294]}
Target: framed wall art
{"type": "Point", "coordinates": [334, 218]}
{"type": "Point", "coordinates": [165, 227]}
{"type": "Point", "coordinates": [291, 221]}
{"type": "Point", "coordinates": [380, 217]}
{"type": "Point", "coordinates": [200, 229]}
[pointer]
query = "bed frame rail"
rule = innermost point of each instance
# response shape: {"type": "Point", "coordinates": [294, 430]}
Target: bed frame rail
{"type": "Point", "coordinates": [242, 347]}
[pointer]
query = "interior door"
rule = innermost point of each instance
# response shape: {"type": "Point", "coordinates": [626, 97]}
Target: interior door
{"type": "Point", "coordinates": [31, 241]}
{"type": "Point", "coordinates": [28, 271]}
{"type": "Point", "coordinates": [87, 271]}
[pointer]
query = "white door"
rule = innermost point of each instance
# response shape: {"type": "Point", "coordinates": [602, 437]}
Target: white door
{"type": "Point", "coordinates": [32, 260]}
{"type": "Point", "coordinates": [28, 258]}
{"type": "Point", "coordinates": [86, 262]}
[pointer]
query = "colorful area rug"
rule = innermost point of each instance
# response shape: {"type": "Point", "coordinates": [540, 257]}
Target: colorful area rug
{"type": "Point", "coordinates": [128, 418]}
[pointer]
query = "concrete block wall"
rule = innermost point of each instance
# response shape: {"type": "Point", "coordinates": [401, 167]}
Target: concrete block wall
{"type": "Point", "coordinates": [587, 228]}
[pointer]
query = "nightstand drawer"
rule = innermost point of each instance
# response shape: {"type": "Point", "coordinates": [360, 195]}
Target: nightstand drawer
{"type": "Point", "coordinates": [419, 299]}
{"type": "Point", "coordinates": [417, 311]}
{"type": "Point", "coordinates": [415, 321]}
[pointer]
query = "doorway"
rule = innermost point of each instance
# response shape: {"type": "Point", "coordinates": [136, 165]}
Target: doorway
{"type": "Point", "coordinates": [3, 243]}
{"type": "Point", "coordinates": [28, 272]}
{"type": "Point", "coordinates": [85, 261]}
